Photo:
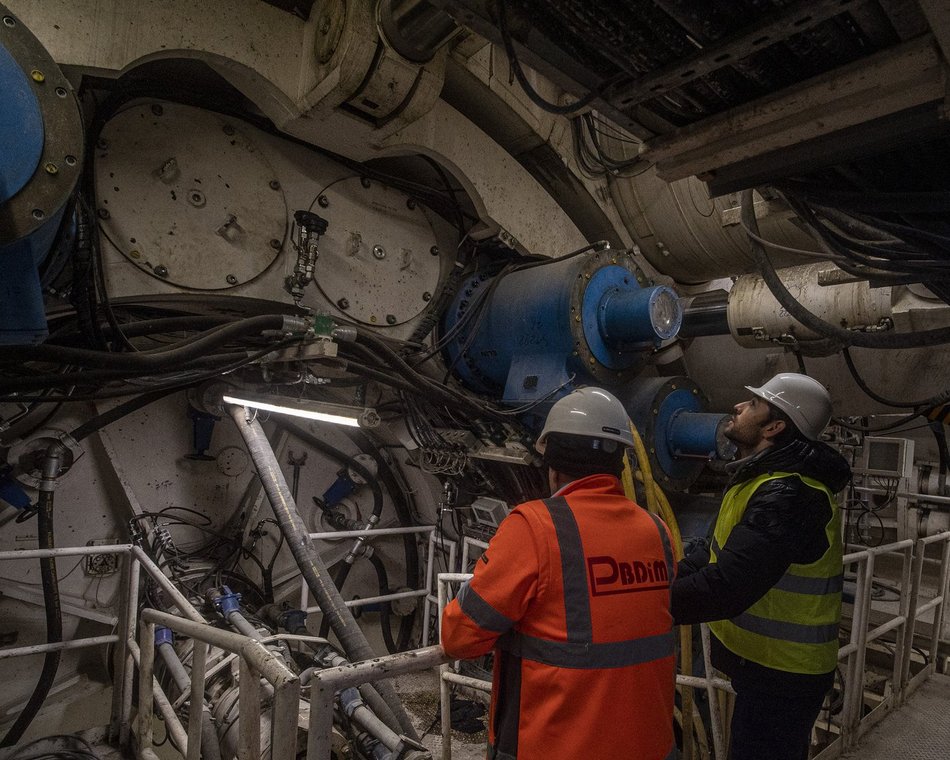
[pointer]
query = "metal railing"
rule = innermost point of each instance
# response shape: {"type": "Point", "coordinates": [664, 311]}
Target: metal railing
{"type": "Point", "coordinates": [899, 628]}
{"type": "Point", "coordinates": [898, 632]}
{"type": "Point", "coordinates": [368, 533]}
{"type": "Point", "coordinates": [136, 648]}
{"type": "Point", "coordinates": [256, 661]}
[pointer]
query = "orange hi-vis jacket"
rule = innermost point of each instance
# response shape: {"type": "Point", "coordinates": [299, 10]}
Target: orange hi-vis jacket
{"type": "Point", "coordinates": [573, 594]}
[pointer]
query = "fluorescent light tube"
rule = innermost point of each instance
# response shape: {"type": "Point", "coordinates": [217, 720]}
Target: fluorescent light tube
{"type": "Point", "coordinates": [338, 414]}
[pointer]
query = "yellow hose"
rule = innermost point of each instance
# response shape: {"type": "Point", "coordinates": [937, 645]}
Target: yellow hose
{"type": "Point", "coordinates": [658, 503]}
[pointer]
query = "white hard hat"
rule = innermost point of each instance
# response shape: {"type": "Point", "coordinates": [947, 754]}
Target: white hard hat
{"type": "Point", "coordinates": [806, 401]}
{"type": "Point", "coordinates": [589, 412]}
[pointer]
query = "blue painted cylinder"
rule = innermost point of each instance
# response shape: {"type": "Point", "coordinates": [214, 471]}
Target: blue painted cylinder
{"type": "Point", "coordinates": [541, 329]}
{"type": "Point", "coordinates": [648, 315]}
{"type": "Point", "coordinates": [42, 137]}
{"type": "Point", "coordinates": [679, 435]}
{"type": "Point", "coordinates": [697, 434]}
{"type": "Point", "coordinates": [21, 127]}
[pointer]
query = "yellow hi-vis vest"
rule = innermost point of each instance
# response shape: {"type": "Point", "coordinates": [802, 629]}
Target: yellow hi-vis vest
{"type": "Point", "coordinates": [794, 627]}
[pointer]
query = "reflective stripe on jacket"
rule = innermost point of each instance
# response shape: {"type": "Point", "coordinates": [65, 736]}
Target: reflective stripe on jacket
{"type": "Point", "coordinates": [794, 627]}
{"type": "Point", "coordinates": [574, 591]}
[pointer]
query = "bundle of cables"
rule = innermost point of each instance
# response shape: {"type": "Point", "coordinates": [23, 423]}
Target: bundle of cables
{"type": "Point", "coordinates": [891, 237]}
{"type": "Point", "coordinates": [212, 346]}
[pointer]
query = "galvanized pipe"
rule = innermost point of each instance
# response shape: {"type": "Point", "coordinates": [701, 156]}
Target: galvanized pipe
{"type": "Point", "coordinates": [175, 729]}
{"type": "Point", "coordinates": [259, 656]}
{"type": "Point", "coordinates": [146, 669]}
{"type": "Point", "coordinates": [445, 696]}
{"type": "Point", "coordinates": [308, 558]}
{"type": "Point", "coordinates": [354, 707]}
{"type": "Point", "coordinates": [196, 721]}
{"type": "Point", "coordinates": [715, 719]}
{"type": "Point", "coordinates": [243, 625]}
{"type": "Point", "coordinates": [173, 664]}
{"type": "Point", "coordinates": [57, 647]}
{"type": "Point", "coordinates": [128, 675]}
{"type": "Point", "coordinates": [72, 551]}
{"type": "Point", "coordinates": [327, 682]}
{"type": "Point", "coordinates": [373, 532]}
{"type": "Point", "coordinates": [472, 683]}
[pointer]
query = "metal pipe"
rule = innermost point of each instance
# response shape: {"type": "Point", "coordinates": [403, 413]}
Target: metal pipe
{"type": "Point", "coordinates": [327, 682]}
{"type": "Point", "coordinates": [199, 654]}
{"type": "Point", "coordinates": [374, 599]}
{"type": "Point", "coordinates": [473, 683]}
{"type": "Point", "coordinates": [355, 709]}
{"type": "Point", "coordinates": [259, 656]}
{"type": "Point", "coordinates": [367, 690]}
{"type": "Point", "coordinates": [92, 641]}
{"type": "Point", "coordinates": [176, 670]}
{"type": "Point", "coordinates": [72, 551]}
{"type": "Point", "coordinates": [705, 314]}
{"type": "Point", "coordinates": [204, 735]}
{"type": "Point", "coordinates": [172, 724]}
{"type": "Point", "coordinates": [146, 665]}
{"type": "Point", "coordinates": [249, 719]}
{"type": "Point", "coordinates": [715, 719]}
{"type": "Point", "coordinates": [130, 627]}
{"type": "Point", "coordinates": [308, 558]}
{"type": "Point", "coordinates": [372, 533]}
{"type": "Point", "coordinates": [445, 697]}
{"type": "Point", "coordinates": [243, 625]}
{"type": "Point", "coordinates": [696, 682]}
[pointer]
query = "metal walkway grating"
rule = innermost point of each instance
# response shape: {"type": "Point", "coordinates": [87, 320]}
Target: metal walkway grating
{"type": "Point", "coordinates": [920, 730]}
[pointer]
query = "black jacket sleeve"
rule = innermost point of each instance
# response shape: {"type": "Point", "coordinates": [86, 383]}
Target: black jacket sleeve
{"type": "Point", "coordinates": [697, 557]}
{"type": "Point", "coordinates": [784, 523]}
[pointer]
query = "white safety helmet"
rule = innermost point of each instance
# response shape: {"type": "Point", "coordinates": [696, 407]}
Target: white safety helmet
{"type": "Point", "coordinates": [590, 412]}
{"type": "Point", "coordinates": [806, 401]}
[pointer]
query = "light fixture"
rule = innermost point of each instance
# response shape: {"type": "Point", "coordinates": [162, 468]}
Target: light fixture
{"type": "Point", "coordinates": [339, 414]}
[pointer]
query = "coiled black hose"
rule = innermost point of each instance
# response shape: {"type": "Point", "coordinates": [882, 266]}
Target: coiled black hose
{"type": "Point", "coordinates": [148, 360]}
{"type": "Point", "coordinates": [811, 321]}
{"type": "Point", "coordinates": [54, 622]}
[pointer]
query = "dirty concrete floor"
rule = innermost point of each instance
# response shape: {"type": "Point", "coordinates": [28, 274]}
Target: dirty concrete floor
{"type": "Point", "coordinates": [420, 695]}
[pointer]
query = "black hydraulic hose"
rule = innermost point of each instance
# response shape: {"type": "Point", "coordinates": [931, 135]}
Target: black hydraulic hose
{"type": "Point", "coordinates": [384, 623]}
{"type": "Point", "coordinates": [937, 400]}
{"type": "Point", "coordinates": [174, 356]}
{"type": "Point", "coordinates": [445, 394]}
{"type": "Point", "coordinates": [811, 321]}
{"type": "Point", "coordinates": [308, 559]}
{"type": "Point", "coordinates": [83, 294]}
{"type": "Point", "coordinates": [116, 413]}
{"type": "Point", "coordinates": [153, 326]}
{"type": "Point", "coordinates": [97, 376]}
{"type": "Point", "coordinates": [54, 614]}
{"type": "Point", "coordinates": [401, 499]}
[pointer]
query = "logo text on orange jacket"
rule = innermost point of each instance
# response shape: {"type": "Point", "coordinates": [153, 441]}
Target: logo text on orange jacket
{"type": "Point", "coordinates": [611, 576]}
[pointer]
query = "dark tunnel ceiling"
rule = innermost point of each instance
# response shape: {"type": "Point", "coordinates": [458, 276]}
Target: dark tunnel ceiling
{"type": "Point", "coordinates": [666, 68]}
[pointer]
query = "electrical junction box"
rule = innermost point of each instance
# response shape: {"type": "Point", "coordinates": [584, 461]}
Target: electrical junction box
{"type": "Point", "coordinates": [488, 511]}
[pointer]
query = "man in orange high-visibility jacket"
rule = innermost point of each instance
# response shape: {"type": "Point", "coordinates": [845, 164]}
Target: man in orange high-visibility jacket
{"type": "Point", "coordinates": [573, 595]}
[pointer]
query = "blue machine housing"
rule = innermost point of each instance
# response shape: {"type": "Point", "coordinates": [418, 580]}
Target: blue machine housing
{"type": "Point", "coordinates": [679, 434]}
{"type": "Point", "coordinates": [583, 320]}
{"type": "Point", "coordinates": [41, 133]}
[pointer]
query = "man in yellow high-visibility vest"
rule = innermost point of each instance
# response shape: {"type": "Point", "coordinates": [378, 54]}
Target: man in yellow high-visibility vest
{"type": "Point", "coordinates": [770, 581]}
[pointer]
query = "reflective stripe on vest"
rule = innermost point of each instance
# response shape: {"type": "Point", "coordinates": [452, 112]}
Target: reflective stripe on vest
{"type": "Point", "coordinates": [579, 651]}
{"type": "Point", "coordinates": [800, 584]}
{"type": "Point", "coordinates": [794, 626]}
